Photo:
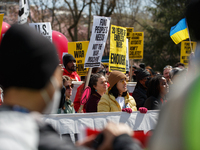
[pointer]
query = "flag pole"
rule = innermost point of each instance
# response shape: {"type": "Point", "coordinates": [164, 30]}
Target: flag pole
{"type": "Point", "coordinates": [189, 37]}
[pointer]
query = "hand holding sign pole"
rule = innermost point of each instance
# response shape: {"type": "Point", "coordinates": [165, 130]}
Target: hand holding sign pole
{"type": "Point", "coordinates": [96, 47]}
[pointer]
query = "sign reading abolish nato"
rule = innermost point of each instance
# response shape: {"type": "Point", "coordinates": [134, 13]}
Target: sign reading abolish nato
{"type": "Point", "coordinates": [117, 57]}
{"type": "Point", "coordinates": [43, 28]}
{"type": "Point", "coordinates": [79, 50]}
{"type": "Point", "coordinates": [97, 43]}
{"type": "Point", "coordinates": [136, 45]}
{"type": "Point", "coordinates": [186, 51]}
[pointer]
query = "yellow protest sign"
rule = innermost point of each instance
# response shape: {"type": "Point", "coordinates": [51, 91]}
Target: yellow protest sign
{"type": "Point", "coordinates": [1, 22]}
{"type": "Point", "coordinates": [129, 30]}
{"type": "Point", "coordinates": [117, 56]}
{"type": "Point", "coordinates": [79, 50]}
{"type": "Point", "coordinates": [186, 51]}
{"type": "Point", "coordinates": [136, 45]}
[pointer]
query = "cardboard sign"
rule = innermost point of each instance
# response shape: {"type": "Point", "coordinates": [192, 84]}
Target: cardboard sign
{"type": "Point", "coordinates": [98, 40]}
{"type": "Point", "coordinates": [129, 30]}
{"type": "Point", "coordinates": [43, 28]}
{"type": "Point", "coordinates": [186, 51]}
{"type": "Point", "coordinates": [79, 50]}
{"type": "Point", "coordinates": [117, 56]}
{"type": "Point", "coordinates": [23, 11]}
{"type": "Point", "coordinates": [136, 45]}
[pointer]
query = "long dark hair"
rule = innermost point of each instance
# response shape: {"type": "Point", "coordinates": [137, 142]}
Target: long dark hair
{"type": "Point", "coordinates": [115, 92]}
{"type": "Point", "coordinates": [154, 86]}
{"type": "Point", "coordinates": [93, 81]}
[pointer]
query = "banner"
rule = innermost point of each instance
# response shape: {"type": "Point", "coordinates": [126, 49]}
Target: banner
{"type": "Point", "coordinates": [1, 22]}
{"type": "Point", "coordinates": [43, 28]}
{"type": "Point", "coordinates": [186, 51]}
{"type": "Point", "coordinates": [79, 50]}
{"type": "Point", "coordinates": [117, 56]}
{"type": "Point", "coordinates": [23, 11]}
{"type": "Point", "coordinates": [136, 45]}
{"type": "Point", "coordinates": [72, 123]}
{"type": "Point", "coordinates": [98, 40]}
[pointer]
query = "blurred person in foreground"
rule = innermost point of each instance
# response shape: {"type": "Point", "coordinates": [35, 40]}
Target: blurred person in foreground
{"type": "Point", "coordinates": [36, 90]}
{"type": "Point", "coordinates": [157, 89]}
{"type": "Point", "coordinates": [66, 105]}
{"type": "Point", "coordinates": [116, 97]}
{"type": "Point", "coordinates": [98, 85]}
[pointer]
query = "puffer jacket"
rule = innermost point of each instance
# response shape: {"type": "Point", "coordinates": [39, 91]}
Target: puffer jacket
{"type": "Point", "coordinates": [108, 103]}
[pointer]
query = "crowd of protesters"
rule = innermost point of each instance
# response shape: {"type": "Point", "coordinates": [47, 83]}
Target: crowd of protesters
{"type": "Point", "coordinates": [41, 86]}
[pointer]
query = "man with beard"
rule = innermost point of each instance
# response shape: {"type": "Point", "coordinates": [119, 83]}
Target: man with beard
{"type": "Point", "coordinates": [69, 63]}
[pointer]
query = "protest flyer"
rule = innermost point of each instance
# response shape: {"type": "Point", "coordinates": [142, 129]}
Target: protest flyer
{"type": "Point", "coordinates": [186, 51]}
{"type": "Point", "coordinates": [136, 45]}
{"type": "Point", "coordinates": [43, 28]}
{"type": "Point", "coordinates": [117, 57]}
{"type": "Point", "coordinates": [79, 50]}
{"type": "Point", "coordinates": [98, 40]}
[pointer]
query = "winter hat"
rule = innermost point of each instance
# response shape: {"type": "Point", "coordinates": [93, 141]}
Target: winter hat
{"type": "Point", "coordinates": [27, 58]}
{"type": "Point", "coordinates": [114, 77]}
{"type": "Point", "coordinates": [67, 58]}
{"type": "Point", "coordinates": [141, 74]}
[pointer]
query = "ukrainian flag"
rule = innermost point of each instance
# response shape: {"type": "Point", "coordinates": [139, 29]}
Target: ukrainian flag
{"type": "Point", "coordinates": [179, 32]}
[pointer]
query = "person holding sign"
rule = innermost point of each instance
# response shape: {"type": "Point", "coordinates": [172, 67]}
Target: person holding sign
{"type": "Point", "coordinates": [116, 97]}
{"type": "Point", "coordinates": [69, 63]}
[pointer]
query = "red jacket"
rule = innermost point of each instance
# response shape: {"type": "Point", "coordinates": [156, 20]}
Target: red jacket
{"type": "Point", "coordinates": [72, 75]}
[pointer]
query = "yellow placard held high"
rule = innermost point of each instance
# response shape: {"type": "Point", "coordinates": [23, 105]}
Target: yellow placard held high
{"type": "Point", "coordinates": [136, 45]}
{"type": "Point", "coordinates": [186, 51]}
{"type": "Point", "coordinates": [129, 30]}
{"type": "Point", "coordinates": [79, 51]}
{"type": "Point", "coordinates": [117, 56]}
{"type": "Point", "coordinates": [1, 22]}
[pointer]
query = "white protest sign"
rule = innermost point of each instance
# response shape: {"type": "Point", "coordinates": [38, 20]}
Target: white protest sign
{"type": "Point", "coordinates": [127, 56]}
{"type": "Point", "coordinates": [23, 11]}
{"type": "Point", "coordinates": [98, 40]}
{"type": "Point", "coordinates": [43, 28]}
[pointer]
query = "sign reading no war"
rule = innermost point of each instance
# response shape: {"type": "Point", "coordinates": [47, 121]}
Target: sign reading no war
{"type": "Point", "coordinates": [79, 50]}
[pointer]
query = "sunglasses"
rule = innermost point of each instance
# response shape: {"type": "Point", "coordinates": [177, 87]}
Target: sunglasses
{"type": "Point", "coordinates": [69, 86]}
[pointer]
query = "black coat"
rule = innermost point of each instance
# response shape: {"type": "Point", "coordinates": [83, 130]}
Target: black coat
{"type": "Point", "coordinates": [153, 103]}
{"type": "Point", "coordinates": [139, 94]}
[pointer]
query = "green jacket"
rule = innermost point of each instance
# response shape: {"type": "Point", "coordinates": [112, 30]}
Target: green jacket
{"type": "Point", "coordinates": [68, 108]}
{"type": "Point", "coordinates": [108, 103]}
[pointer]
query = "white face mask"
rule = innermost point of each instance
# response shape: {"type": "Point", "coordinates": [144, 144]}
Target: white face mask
{"type": "Point", "coordinates": [51, 105]}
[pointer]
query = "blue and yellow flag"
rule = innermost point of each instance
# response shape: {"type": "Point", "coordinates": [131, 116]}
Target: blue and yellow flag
{"type": "Point", "coordinates": [179, 32]}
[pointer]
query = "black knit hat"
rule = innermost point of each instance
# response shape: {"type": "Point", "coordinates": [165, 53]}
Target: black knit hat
{"type": "Point", "coordinates": [27, 58]}
{"type": "Point", "coordinates": [141, 74]}
{"type": "Point", "coordinates": [67, 58]}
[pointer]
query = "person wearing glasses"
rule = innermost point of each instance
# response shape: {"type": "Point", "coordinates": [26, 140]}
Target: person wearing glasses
{"type": "Point", "coordinates": [116, 97]}
{"type": "Point", "coordinates": [66, 105]}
